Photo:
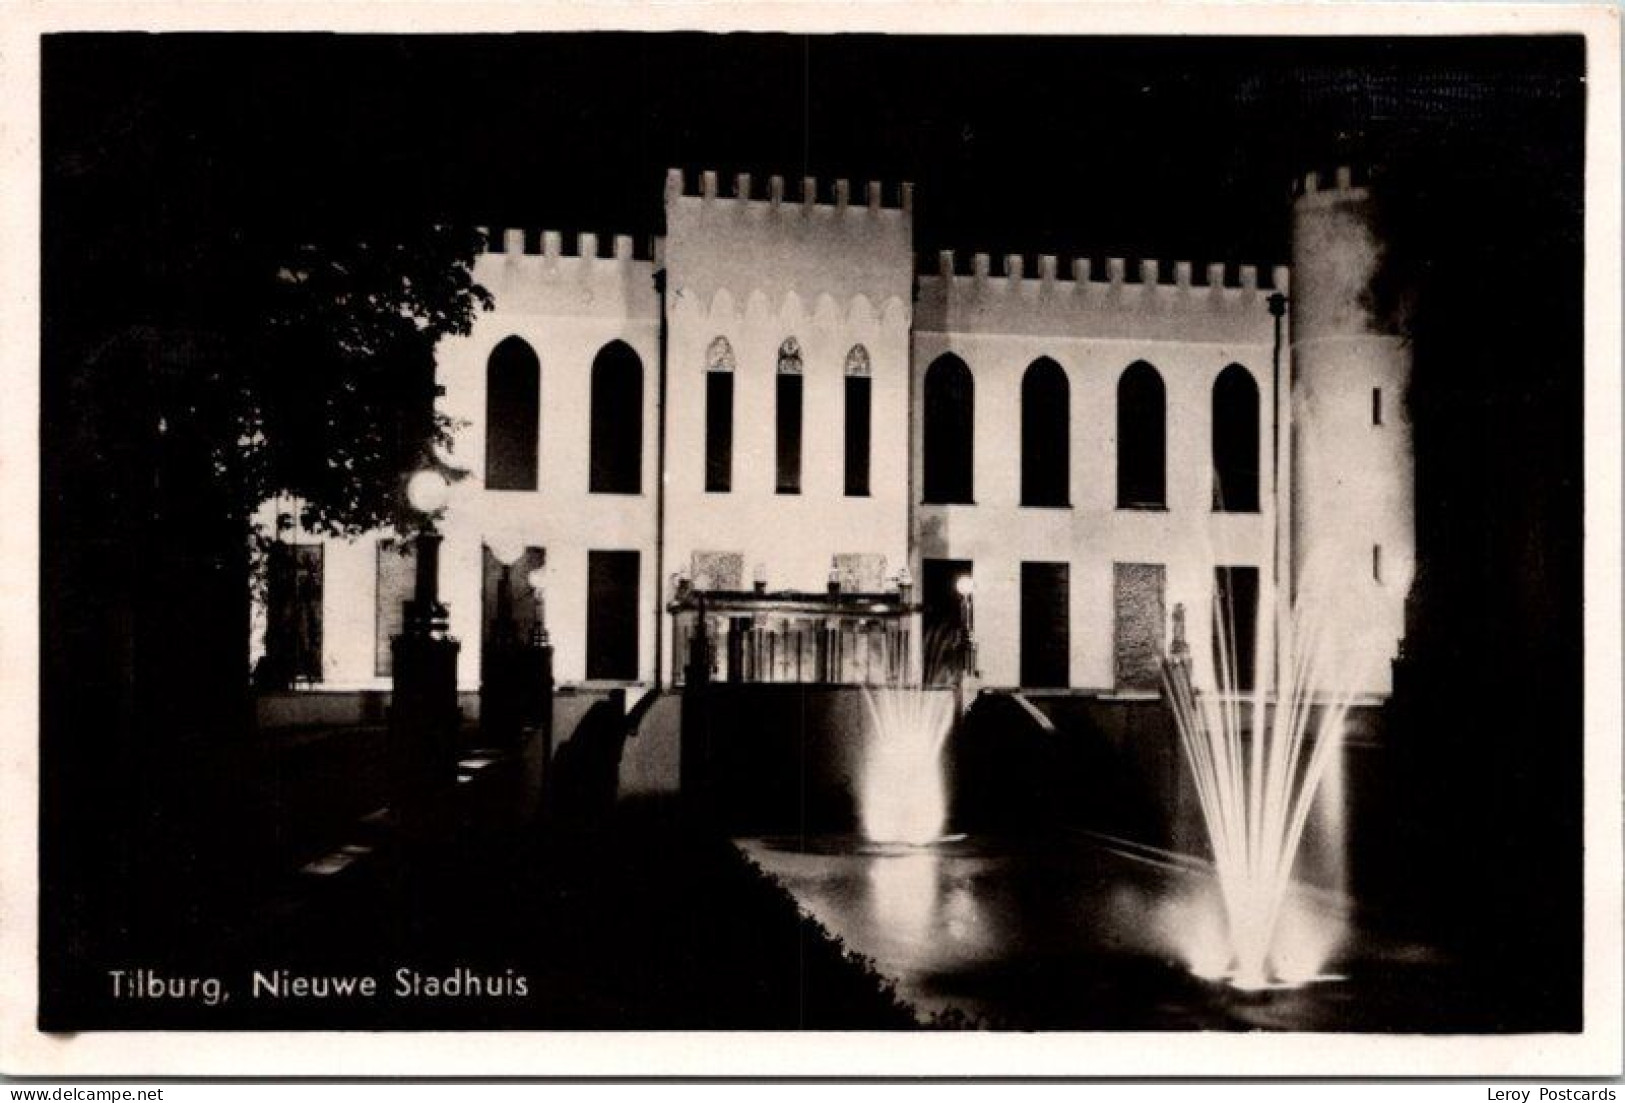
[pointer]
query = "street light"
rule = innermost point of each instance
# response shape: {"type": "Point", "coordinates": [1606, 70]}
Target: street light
{"type": "Point", "coordinates": [427, 492]}
{"type": "Point", "coordinates": [423, 718]}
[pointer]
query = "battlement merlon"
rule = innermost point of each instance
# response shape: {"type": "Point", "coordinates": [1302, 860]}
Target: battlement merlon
{"type": "Point", "coordinates": [874, 196]}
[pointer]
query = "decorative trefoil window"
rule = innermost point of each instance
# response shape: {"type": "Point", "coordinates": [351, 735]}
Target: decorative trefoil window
{"type": "Point", "coordinates": [790, 357]}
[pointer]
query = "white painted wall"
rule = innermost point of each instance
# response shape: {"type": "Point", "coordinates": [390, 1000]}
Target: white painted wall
{"type": "Point", "coordinates": [567, 308]}
{"type": "Point", "coordinates": [1094, 332]}
{"type": "Point", "coordinates": [1353, 481]}
{"type": "Point", "coordinates": [757, 272]}
{"type": "Point", "coordinates": [760, 267]}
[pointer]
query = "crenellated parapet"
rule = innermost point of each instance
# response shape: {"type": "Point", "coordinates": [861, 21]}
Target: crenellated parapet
{"type": "Point", "coordinates": [1343, 183]}
{"type": "Point", "coordinates": [556, 244]}
{"type": "Point", "coordinates": [1146, 300]}
{"type": "Point", "coordinates": [1336, 254]}
{"type": "Point", "coordinates": [749, 240]}
{"type": "Point", "coordinates": [574, 274]}
{"type": "Point", "coordinates": [1046, 268]}
{"type": "Point", "coordinates": [874, 196]}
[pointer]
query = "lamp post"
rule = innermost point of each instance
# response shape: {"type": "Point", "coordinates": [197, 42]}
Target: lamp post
{"type": "Point", "coordinates": [423, 716]}
{"type": "Point", "coordinates": [540, 660]}
{"type": "Point", "coordinates": [427, 492]}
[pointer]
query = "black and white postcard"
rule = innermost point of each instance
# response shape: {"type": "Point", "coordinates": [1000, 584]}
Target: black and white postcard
{"type": "Point", "coordinates": [930, 540]}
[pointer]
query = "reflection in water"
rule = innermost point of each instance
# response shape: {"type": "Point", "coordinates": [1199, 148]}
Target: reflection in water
{"type": "Point", "coordinates": [1062, 934]}
{"type": "Point", "coordinates": [1304, 939]}
{"type": "Point", "coordinates": [903, 895]}
{"type": "Point", "coordinates": [965, 917]}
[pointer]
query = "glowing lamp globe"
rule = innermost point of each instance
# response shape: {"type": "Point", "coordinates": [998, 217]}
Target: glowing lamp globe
{"type": "Point", "coordinates": [537, 578]}
{"type": "Point", "coordinates": [427, 491]}
{"type": "Point", "coordinates": [965, 586]}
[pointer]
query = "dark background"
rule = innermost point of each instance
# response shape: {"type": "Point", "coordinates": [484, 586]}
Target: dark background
{"type": "Point", "coordinates": [1179, 148]}
{"type": "Point", "coordinates": [1139, 147]}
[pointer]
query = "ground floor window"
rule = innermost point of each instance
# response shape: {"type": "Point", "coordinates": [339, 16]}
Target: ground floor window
{"type": "Point", "coordinates": [944, 617]}
{"type": "Point", "coordinates": [508, 606]}
{"type": "Point", "coordinates": [1045, 630]}
{"type": "Point", "coordinates": [612, 615]}
{"type": "Point", "coordinates": [1138, 616]}
{"type": "Point", "coordinates": [293, 614]}
{"type": "Point", "coordinates": [1235, 627]}
{"type": "Point", "coordinates": [397, 580]}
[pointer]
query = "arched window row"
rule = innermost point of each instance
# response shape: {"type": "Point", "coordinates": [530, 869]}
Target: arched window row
{"type": "Point", "coordinates": [1142, 436]}
{"type": "Point", "coordinates": [513, 378]}
{"type": "Point", "coordinates": [513, 392]}
{"type": "Point", "coordinates": [719, 356]}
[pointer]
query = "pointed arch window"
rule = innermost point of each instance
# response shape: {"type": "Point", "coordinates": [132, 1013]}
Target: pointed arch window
{"type": "Point", "coordinates": [859, 402]}
{"type": "Point", "coordinates": [513, 392]}
{"type": "Point", "coordinates": [616, 427]}
{"type": "Point", "coordinates": [1046, 426]}
{"type": "Point", "coordinates": [950, 419]}
{"type": "Point", "coordinates": [1142, 439]}
{"type": "Point", "coordinates": [719, 416]}
{"type": "Point", "coordinates": [1235, 441]}
{"type": "Point", "coordinates": [788, 417]}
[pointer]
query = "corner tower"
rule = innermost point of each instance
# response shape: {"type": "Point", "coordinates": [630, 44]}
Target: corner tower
{"type": "Point", "coordinates": [1352, 469]}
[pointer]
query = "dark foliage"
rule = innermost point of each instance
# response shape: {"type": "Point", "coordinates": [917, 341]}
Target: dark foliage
{"type": "Point", "coordinates": [1485, 218]}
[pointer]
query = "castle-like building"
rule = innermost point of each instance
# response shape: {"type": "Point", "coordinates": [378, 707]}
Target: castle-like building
{"type": "Point", "coordinates": [782, 427]}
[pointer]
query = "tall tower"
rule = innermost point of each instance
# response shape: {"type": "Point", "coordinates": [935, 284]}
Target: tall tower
{"type": "Point", "coordinates": [1352, 491]}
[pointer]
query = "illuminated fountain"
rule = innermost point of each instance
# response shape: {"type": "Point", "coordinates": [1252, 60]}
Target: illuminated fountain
{"type": "Point", "coordinates": [1258, 765]}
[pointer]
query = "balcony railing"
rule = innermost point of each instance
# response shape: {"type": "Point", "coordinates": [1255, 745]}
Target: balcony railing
{"type": "Point", "coordinates": [835, 638]}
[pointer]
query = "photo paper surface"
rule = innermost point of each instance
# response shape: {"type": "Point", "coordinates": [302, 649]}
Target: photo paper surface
{"type": "Point", "coordinates": [1028, 546]}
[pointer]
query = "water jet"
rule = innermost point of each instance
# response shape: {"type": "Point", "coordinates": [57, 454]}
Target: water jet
{"type": "Point", "coordinates": [1258, 761]}
{"type": "Point", "coordinates": [903, 785]}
